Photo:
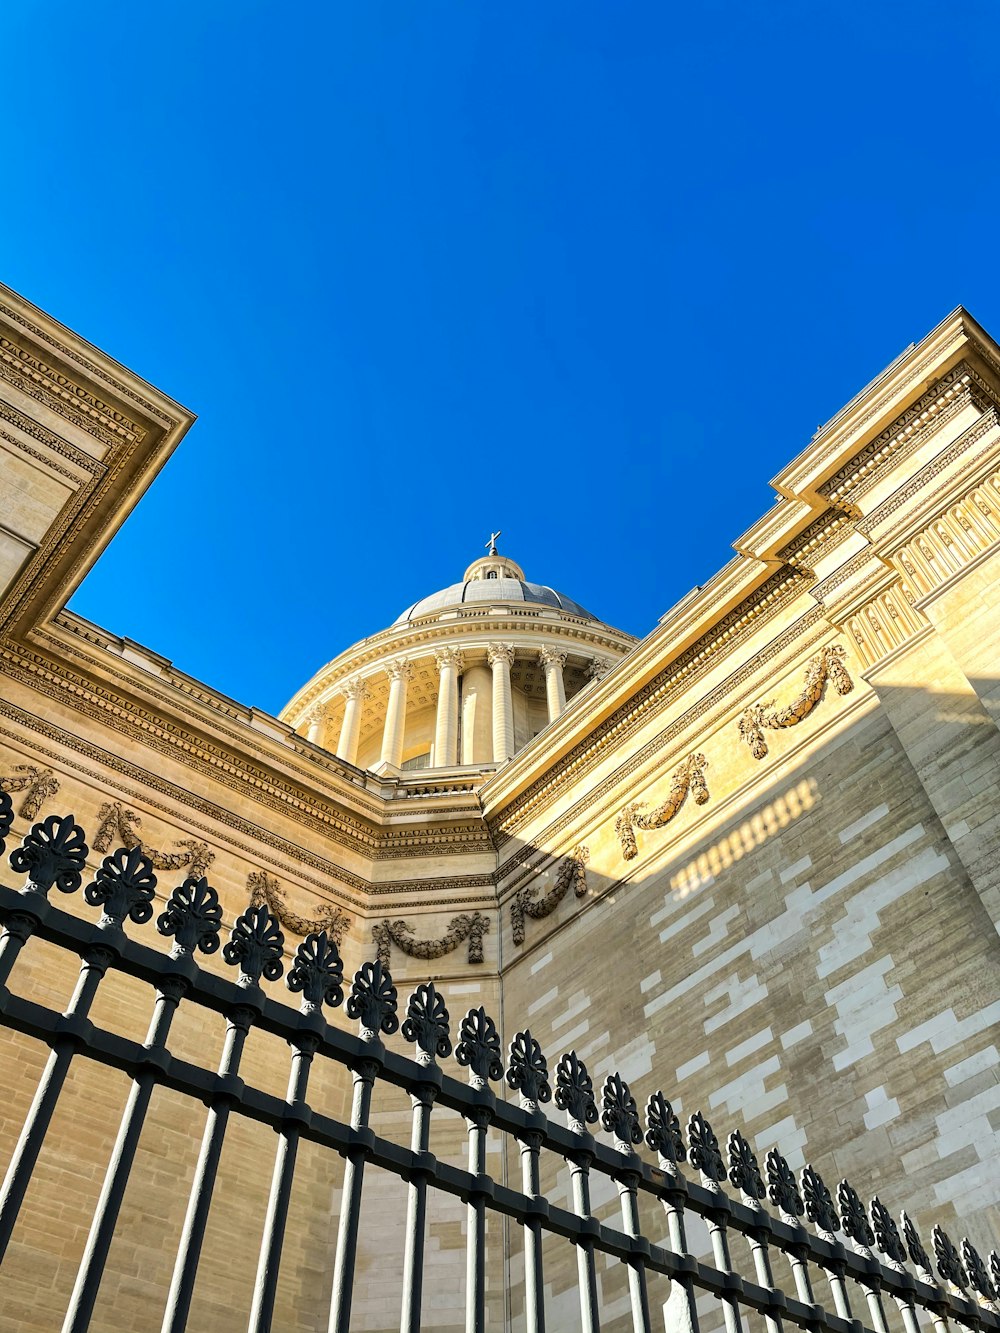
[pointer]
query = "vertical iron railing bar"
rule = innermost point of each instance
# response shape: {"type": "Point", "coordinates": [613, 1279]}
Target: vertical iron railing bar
{"type": "Point", "coordinates": [426, 1025]}
{"type": "Point", "coordinates": [316, 973]}
{"type": "Point", "coordinates": [373, 1003]}
{"type": "Point", "coordinates": [855, 1223]}
{"type": "Point", "coordinates": [193, 916]}
{"type": "Point", "coordinates": [744, 1174]}
{"type": "Point", "coordinates": [528, 1075]}
{"type": "Point", "coordinates": [575, 1095]}
{"type": "Point", "coordinates": [890, 1244]}
{"type": "Point", "coordinates": [255, 945]}
{"type": "Point", "coordinates": [784, 1195]}
{"type": "Point", "coordinates": [704, 1154]}
{"type": "Point", "coordinates": [123, 886]}
{"type": "Point", "coordinates": [32, 1137]}
{"type": "Point", "coordinates": [822, 1214]}
{"type": "Point", "coordinates": [663, 1136]}
{"type": "Point", "coordinates": [620, 1118]}
{"type": "Point", "coordinates": [478, 1050]}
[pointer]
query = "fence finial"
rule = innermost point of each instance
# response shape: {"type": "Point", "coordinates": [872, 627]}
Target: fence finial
{"type": "Point", "coordinates": [663, 1131]}
{"type": "Point", "coordinates": [373, 1001]}
{"type": "Point", "coordinates": [256, 944]}
{"type": "Point", "coordinates": [781, 1187]}
{"type": "Point", "coordinates": [575, 1093]}
{"type": "Point", "coordinates": [53, 852]}
{"type": "Point", "coordinates": [743, 1169]}
{"type": "Point", "coordinates": [527, 1072]}
{"type": "Point", "coordinates": [317, 971]}
{"type": "Point", "coordinates": [123, 886]}
{"type": "Point", "coordinates": [478, 1048]}
{"type": "Point", "coordinates": [193, 916]}
{"type": "Point", "coordinates": [426, 1024]}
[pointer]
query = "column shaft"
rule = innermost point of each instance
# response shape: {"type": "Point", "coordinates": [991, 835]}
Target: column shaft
{"type": "Point", "coordinates": [555, 690]}
{"type": "Point", "coordinates": [347, 747]}
{"type": "Point", "coordinates": [449, 663]}
{"type": "Point", "coordinates": [399, 674]}
{"type": "Point", "coordinates": [501, 655]}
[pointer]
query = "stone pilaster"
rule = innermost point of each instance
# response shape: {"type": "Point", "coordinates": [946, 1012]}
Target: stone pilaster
{"type": "Point", "coordinates": [501, 657]}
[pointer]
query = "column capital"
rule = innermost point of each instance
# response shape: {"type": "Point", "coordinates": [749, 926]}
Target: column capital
{"type": "Point", "coordinates": [400, 670]}
{"type": "Point", "coordinates": [552, 657]}
{"type": "Point", "coordinates": [500, 652]}
{"type": "Point", "coordinates": [317, 713]}
{"type": "Point", "coordinates": [449, 657]}
{"type": "Point", "coordinates": [355, 688]}
{"type": "Point", "coordinates": [599, 668]}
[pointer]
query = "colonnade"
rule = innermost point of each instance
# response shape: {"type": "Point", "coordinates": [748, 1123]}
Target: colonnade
{"type": "Point", "coordinates": [449, 662]}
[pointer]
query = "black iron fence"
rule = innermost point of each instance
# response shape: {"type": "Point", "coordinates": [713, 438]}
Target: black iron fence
{"type": "Point", "coordinates": [878, 1268]}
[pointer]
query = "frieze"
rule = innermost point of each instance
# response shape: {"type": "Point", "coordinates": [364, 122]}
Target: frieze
{"type": "Point", "coordinates": [119, 826]}
{"type": "Point", "coordinates": [471, 926]}
{"type": "Point", "coordinates": [728, 633]}
{"type": "Point", "coordinates": [826, 666]}
{"type": "Point", "coordinates": [356, 889]}
{"type": "Point", "coordinates": [943, 401]}
{"type": "Point", "coordinates": [264, 890]}
{"type": "Point", "coordinates": [36, 431]}
{"type": "Point", "coordinates": [688, 777]}
{"type": "Point", "coordinates": [38, 784]}
{"type": "Point", "coordinates": [40, 456]}
{"type": "Point", "coordinates": [596, 804]}
{"type": "Point", "coordinates": [15, 317]}
{"type": "Point", "coordinates": [814, 537]}
{"type": "Point", "coordinates": [572, 871]}
{"type": "Point", "coordinates": [72, 402]}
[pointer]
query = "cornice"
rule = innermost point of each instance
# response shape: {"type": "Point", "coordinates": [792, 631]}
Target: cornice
{"type": "Point", "coordinates": [141, 787]}
{"type": "Point", "coordinates": [688, 665]}
{"type": "Point", "coordinates": [233, 769]}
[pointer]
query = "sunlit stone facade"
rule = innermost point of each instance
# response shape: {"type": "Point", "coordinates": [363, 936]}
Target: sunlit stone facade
{"type": "Point", "coordinates": [753, 859]}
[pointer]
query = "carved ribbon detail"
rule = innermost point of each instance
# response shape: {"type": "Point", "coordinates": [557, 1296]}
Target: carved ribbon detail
{"type": "Point", "coordinates": [827, 665]}
{"type": "Point", "coordinates": [572, 870]}
{"type": "Point", "coordinates": [119, 825]}
{"type": "Point", "coordinates": [265, 890]}
{"type": "Point", "coordinates": [38, 784]}
{"type": "Point", "coordinates": [471, 926]}
{"type": "Point", "coordinates": [688, 777]}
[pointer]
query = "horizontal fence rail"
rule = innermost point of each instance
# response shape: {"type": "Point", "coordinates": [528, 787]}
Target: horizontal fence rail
{"type": "Point", "coordinates": [800, 1218]}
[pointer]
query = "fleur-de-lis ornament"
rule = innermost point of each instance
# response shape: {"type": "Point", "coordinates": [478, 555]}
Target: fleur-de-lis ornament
{"type": "Point", "coordinates": [478, 1048]}
{"type": "Point", "coordinates": [703, 1149]}
{"type": "Point", "coordinates": [193, 916]}
{"type": "Point", "coordinates": [256, 945]}
{"type": "Point", "coordinates": [54, 852]}
{"type": "Point", "coordinates": [914, 1248]}
{"type": "Point", "coordinates": [6, 818]}
{"type": "Point", "coordinates": [123, 886]}
{"type": "Point", "coordinates": [372, 1001]}
{"type": "Point", "coordinates": [852, 1215]}
{"type": "Point", "coordinates": [619, 1113]}
{"type": "Point", "coordinates": [527, 1072]}
{"type": "Point", "coordinates": [426, 1024]}
{"type": "Point", "coordinates": [818, 1201]}
{"type": "Point", "coordinates": [781, 1187]}
{"type": "Point", "coordinates": [317, 972]}
{"type": "Point", "coordinates": [887, 1236]}
{"type": "Point", "coordinates": [949, 1265]}
{"type": "Point", "coordinates": [575, 1092]}
{"type": "Point", "coordinates": [663, 1130]}
{"type": "Point", "coordinates": [743, 1169]}
{"type": "Point", "coordinates": [979, 1279]}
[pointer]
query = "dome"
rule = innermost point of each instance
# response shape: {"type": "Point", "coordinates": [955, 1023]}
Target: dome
{"type": "Point", "coordinates": [493, 590]}
{"type": "Point", "coordinates": [493, 578]}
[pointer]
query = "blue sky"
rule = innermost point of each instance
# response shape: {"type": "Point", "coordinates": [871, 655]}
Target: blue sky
{"type": "Point", "coordinates": [589, 273]}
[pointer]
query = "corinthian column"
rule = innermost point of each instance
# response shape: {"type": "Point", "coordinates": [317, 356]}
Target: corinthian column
{"type": "Point", "coordinates": [449, 664]}
{"type": "Point", "coordinates": [501, 655]}
{"type": "Point", "coordinates": [355, 692]}
{"type": "Point", "coordinates": [314, 720]}
{"type": "Point", "coordinates": [555, 690]}
{"type": "Point", "coordinates": [392, 737]}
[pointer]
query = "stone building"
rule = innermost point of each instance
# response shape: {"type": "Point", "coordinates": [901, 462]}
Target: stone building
{"type": "Point", "coordinates": [752, 859]}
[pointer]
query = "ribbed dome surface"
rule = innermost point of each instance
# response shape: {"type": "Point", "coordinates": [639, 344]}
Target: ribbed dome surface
{"type": "Point", "coordinates": [493, 590]}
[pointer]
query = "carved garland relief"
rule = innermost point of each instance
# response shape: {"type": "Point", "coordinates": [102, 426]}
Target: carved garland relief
{"type": "Point", "coordinates": [119, 826]}
{"type": "Point", "coordinates": [688, 776]}
{"type": "Point", "coordinates": [572, 871]}
{"type": "Point", "coordinates": [471, 926]}
{"type": "Point", "coordinates": [827, 665]}
{"type": "Point", "coordinates": [265, 889]}
{"type": "Point", "coordinates": [38, 784]}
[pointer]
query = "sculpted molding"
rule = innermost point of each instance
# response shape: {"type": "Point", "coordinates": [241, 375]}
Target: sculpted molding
{"type": "Point", "coordinates": [38, 784]}
{"type": "Point", "coordinates": [471, 926]}
{"type": "Point", "coordinates": [828, 665]}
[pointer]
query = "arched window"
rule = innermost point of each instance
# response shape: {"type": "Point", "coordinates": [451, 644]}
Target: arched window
{"type": "Point", "coordinates": [491, 574]}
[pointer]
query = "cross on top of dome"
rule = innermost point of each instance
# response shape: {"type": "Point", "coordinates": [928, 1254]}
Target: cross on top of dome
{"type": "Point", "coordinates": [492, 543]}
